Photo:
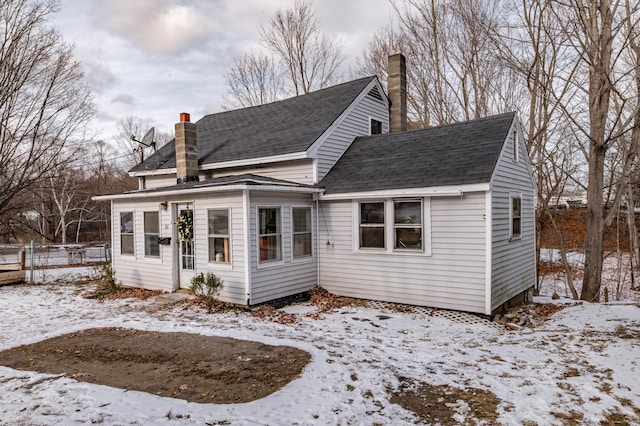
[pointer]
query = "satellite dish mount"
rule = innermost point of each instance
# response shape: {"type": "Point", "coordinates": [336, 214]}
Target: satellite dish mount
{"type": "Point", "coordinates": [146, 142]}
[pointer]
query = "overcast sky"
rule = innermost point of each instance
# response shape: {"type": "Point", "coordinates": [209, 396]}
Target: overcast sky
{"type": "Point", "coordinates": [153, 59]}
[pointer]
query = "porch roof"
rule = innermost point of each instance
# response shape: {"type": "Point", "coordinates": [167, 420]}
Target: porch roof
{"type": "Point", "coordinates": [220, 184]}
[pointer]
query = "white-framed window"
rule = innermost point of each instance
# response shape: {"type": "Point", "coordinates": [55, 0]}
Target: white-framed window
{"type": "Point", "coordinates": [151, 234]}
{"type": "Point", "coordinates": [219, 235]}
{"type": "Point", "coordinates": [126, 233]}
{"type": "Point", "coordinates": [371, 224]}
{"type": "Point", "coordinates": [375, 126]}
{"type": "Point", "coordinates": [516, 151]}
{"type": "Point", "coordinates": [270, 234]}
{"type": "Point", "coordinates": [302, 233]}
{"type": "Point", "coordinates": [407, 224]}
{"type": "Point", "coordinates": [515, 216]}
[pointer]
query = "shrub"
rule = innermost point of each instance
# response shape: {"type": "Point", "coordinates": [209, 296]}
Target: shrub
{"type": "Point", "coordinates": [207, 286]}
{"type": "Point", "coordinates": [106, 282]}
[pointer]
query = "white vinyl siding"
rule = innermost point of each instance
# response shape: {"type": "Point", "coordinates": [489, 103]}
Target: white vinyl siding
{"type": "Point", "coordinates": [512, 259]}
{"type": "Point", "coordinates": [271, 280]}
{"type": "Point", "coordinates": [451, 277]}
{"type": "Point", "coordinates": [159, 181]}
{"type": "Point", "coordinates": [300, 171]}
{"type": "Point", "coordinates": [157, 273]}
{"type": "Point", "coordinates": [153, 273]}
{"type": "Point", "coordinates": [357, 123]}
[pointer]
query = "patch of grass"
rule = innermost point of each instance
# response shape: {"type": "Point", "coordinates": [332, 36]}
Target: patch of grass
{"type": "Point", "coordinates": [446, 405]}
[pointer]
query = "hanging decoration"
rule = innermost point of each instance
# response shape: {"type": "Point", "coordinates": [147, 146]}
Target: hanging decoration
{"type": "Point", "coordinates": [185, 225]}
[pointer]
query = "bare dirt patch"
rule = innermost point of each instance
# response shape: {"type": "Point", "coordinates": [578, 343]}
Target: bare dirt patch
{"type": "Point", "coordinates": [446, 405]}
{"type": "Point", "coordinates": [188, 366]}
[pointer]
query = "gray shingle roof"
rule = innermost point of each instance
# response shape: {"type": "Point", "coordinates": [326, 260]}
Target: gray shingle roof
{"type": "Point", "coordinates": [278, 128]}
{"type": "Point", "coordinates": [454, 154]}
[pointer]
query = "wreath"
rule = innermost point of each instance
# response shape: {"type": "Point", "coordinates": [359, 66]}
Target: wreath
{"type": "Point", "coordinates": [185, 225]}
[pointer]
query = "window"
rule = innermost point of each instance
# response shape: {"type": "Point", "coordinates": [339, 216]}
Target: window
{"type": "Point", "coordinates": [151, 234]}
{"type": "Point", "coordinates": [270, 234]}
{"type": "Point", "coordinates": [516, 214]}
{"type": "Point", "coordinates": [301, 231]}
{"type": "Point", "coordinates": [407, 224]}
{"type": "Point", "coordinates": [126, 233]}
{"type": "Point", "coordinates": [372, 225]}
{"type": "Point", "coordinates": [515, 146]}
{"type": "Point", "coordinates": [376, 127]}
{"type": "Point", "coordinates": [219, 236]}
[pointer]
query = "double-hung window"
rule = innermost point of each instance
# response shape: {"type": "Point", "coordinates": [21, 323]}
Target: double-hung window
{"type": "Point", "coordinates": [407, 224]}
{"type": "Point", "coordinates": [151, 234]}
{"type": "Point", "coordinates": [516, 216]}
{"type": "Point", "coordinates": [372, 225]}
{"type": "Point", "coordinates": [270, 234]}
{"type": "Point", "coordinates": [126, 233]}
{"type": "Point", "coordinates": [301, 231]}
{"type": "Point", "coordinates": [219, 236]}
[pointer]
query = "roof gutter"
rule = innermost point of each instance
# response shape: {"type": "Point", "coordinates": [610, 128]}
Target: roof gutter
{"type": "Point", "coordinates": [435, 191]}
{"type": "Point", "coordinates": [205, 190]}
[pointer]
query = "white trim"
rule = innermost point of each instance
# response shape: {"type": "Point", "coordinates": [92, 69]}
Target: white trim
{"type": "Point", "coordinates": [157, 172]}
{"type": "Point", "coordinates": [371, 119]}
{"type": "Point", "coordinates": [144, 235]}
{"type": "Point", "coordinates": [442, 191]}
{"type": "Point", "coordinates": [389, 228]}
{"type": "Point", "coordinates": [206, 189]}
{"type": "Point", "coordinates": [514, 195]}
{"type": "Point", "coordinates": [227, 262]}
{"type": "Point", "coordinates": [246, 222]}
{"type": "Point", "coordinates": [488, 273]}
{"type": "Point", "coordinates": [314, 167]}
{"type": "Point", "coordinates": [305, 258]}
{"type": "Point", "coordinates": [317, 237]}
{"type": "Point", "coordinates": [227, 164]}
{"type": "Point", "coordinates": [256, 161]}
{"type": "Point", "coordinates": [269, 263]}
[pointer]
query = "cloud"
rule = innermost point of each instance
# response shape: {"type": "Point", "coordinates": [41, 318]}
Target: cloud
{"type": "Point", "coordinates": [123, 99]}
{"type": "Point", "coordinates": [160, 26]}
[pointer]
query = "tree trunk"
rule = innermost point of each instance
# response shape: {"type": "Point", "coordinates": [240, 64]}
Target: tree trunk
{"type": "Point", "coordinates": [594, 249]}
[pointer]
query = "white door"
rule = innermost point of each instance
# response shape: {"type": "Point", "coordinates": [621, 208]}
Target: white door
{"type": "Point", "coordinates": [185, 251]}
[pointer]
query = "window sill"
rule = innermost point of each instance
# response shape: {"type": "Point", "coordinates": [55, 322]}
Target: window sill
{"type": "Point", "coordinates": [227, 266]}
{"type": "Point", "coordinates": [398, 252]}
{"type": "Point", "coordinates": [303, 259]}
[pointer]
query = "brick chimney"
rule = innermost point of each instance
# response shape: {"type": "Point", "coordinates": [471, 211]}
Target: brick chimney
{"type": "Point", "coordinates": [186, 150]}
{"type": "Point", "coordinates": [397, 88]}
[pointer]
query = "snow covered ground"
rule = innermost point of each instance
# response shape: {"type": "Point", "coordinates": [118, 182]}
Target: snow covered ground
{"type": "Point", "coordinates": [583, 363]}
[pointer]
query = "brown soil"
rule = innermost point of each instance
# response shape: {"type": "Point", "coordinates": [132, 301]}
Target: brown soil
{"type": "Point", "coordinates": [193, 367]}
{"type": "Point", "coordinates": [441, 404]}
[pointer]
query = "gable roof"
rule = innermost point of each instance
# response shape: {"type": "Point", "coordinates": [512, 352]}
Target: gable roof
{"type": "Point", "coordinates": [454, 154]}
{"type": "Point", "coordinates": [279, 128]}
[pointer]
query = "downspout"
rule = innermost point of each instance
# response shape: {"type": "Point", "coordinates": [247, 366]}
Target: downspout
{"type": "Point", "coordinates": [246, 213]}
{"type": "Point", "coordinates": [488, 251]}
{"type": "Point", "coordinates": [317, 242]}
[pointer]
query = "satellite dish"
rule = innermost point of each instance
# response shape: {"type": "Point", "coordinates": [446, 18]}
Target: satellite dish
{"type": "Point", "coordinates": [147, 140]}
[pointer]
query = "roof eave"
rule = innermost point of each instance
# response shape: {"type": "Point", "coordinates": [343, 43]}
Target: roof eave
{"type": "Point", "coordinates": [433, 191]}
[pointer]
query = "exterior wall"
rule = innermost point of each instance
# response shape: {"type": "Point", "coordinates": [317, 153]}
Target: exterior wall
{"type": "Point", "coordinates": [513, 264]}
{"type": "Point", "coordinates": [356, 123]}
{"type": "Point", "coordinates": [271, 280]}
{"type": "Point", "coordinates": [300, 171]}
{"type": "Point", "coordinates": [452, 277]}
{"type": "Point", "coordinates": [137, 270]}
{"type": "Point", "coordinates": [158, 273]}
{"type": "Point", "coordinates": [159, 181]}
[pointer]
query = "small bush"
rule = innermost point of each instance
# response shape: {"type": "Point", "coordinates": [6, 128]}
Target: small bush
{"type": "Point", "coordinates": [207, 286]}
{"type": "Point", "coordinates": [106, 282]}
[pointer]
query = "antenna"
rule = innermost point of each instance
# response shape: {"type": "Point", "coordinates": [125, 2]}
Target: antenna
{"type": "Point", "coordinates": [146, 142]}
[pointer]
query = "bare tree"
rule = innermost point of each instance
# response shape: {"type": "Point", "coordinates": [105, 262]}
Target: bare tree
{"type": "Point", "coordinates": [130, 128]}
{"type": "Point", "coordinates": [44, 102]}
{"type": "Point", "coordinates": [255, 79]}
{"type": "Point", "coordinates": [599, 34]}
{"type": "Point", "coordinates": [310, 57]}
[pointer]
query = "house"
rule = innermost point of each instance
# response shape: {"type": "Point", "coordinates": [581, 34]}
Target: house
{"type": "Point", "coordinates": [329, 189]}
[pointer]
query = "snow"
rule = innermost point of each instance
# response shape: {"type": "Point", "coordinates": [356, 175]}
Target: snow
{"type": "Point", "coordinates": [572, 362]}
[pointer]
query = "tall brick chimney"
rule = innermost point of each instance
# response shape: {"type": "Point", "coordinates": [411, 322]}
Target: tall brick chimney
{"type": "Point", "coordinates": [397, 87]}
{"type": "Point", "coordinates": [186, 150]}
